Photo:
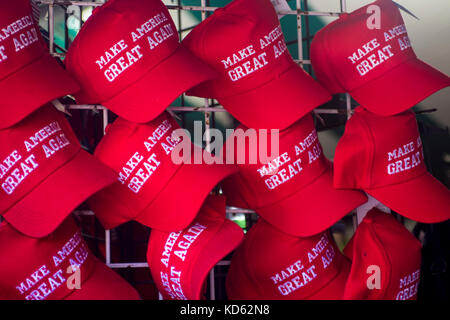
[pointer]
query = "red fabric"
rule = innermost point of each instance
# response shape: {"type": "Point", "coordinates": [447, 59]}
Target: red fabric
{"type": "Point", "coordinates": [384, 157]}
{"type": "Point", "coordinates": [164, 201]}
{"type": "Point", "coordinates": [381, 241]}
{"type": "Point", "coordinates": [293, 190]}
{"type": "Point", "coordinates": [271, 265]}
{"type": "Point", "coordinates": [44, 173]}
{"type": "Point", "coordinates": [378, 67]}
{"type": "Point", "coordinates": [127, 56]}
{"type": "Point", "coordinates": [37, 269]}
{"type": "Point", "coordinates": [244, 43]}
{"type": "Point", "coordinates": [180, 261]}
{"type": "Point", "coordinates": [29, 76]}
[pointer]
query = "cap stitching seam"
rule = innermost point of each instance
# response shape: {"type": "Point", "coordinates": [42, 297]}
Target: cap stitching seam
{"type": "Point", "coordinates": [330, 63]}
{"type": "Point", "coordinates": [81, 65]}
{"type": "Point", "coordinates": [383, 253]}
{"type": "Point", "coordinates": [372, 149]}
{"type": "Point", "coordinates": [79, 38]}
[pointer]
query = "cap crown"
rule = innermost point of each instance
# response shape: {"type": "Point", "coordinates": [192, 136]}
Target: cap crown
{"type": "Point", "coordinates": [31, 151]}
{"type": "Point", "coordinates": [38, 269]}
{"type": "Point", "coordinates": [140, 154]}
{"type": "Point", "coordinates": [118, 45]}
{"type": "Point", "coordinates": [260, 181]}
{"type": "Point", "coordinates": [347, 54]}
{"type": "Point", "coordinates": [180, 261]}
{"type": "Point", "coordinates": [381, 241]}
{"type": "Point", "coordinates": [21, 42]}
{"type": "Point", "coordinates": [377, 151]}
{"type": "Point", "coordinates": [279, 266]}
{"type": "Point", "coordinates": [244, 43]}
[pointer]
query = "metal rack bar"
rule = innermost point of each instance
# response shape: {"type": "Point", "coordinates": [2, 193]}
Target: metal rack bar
{"type": "Point", "coordinates": [145, 264]}
{"type": "Point", "coordinates": [128, 265]}
{"type": "Point", "coordinates": [299, 31]}
{"type": "Point", "coordinates": [228, 210]}
{"type": "Point", "coordinates": [203, 8]}
{"type": "Point", "coordinates": [62, 55]}
{"type": "Point", "coordinates": [51, 28]}
{"type": "Point", "coordinates": [96, 107]}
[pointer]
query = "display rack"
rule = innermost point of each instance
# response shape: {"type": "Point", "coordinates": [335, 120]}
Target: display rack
{"type": "Point", "coordinates": [209, 106]}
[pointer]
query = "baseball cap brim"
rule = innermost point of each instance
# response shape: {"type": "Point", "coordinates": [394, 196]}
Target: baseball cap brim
{"type": "Point", "coordinates": [224, 241]}
{"type": "Point", "coordinates": [31, 87]}
{"type": "Point", "coordinates": [400, 88]}
{"type": "Point", "coordinates": [313, 209]}
{"type": "Point", "coordinates": [279, 103]}
{"type": "Point", "coordinates": [160, 86]}
{"type": "Point", "coordinates": [104, 284]}
{"type": "Point", "coordinates": [423, 199]}
{"type": "Point", "coordinates": [42, 210]}
{"type": "Point", "coordinates": [178, 203]}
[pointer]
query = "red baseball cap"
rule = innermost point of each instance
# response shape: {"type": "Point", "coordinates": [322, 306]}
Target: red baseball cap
{"type": "Point", "coordinates": [382, 244]}
{"type": "Point", "coordinates": [39, 269]}
{"type": "Point", "coordinates": [244, 43]}
{"type": "Point", "coordinates": [377, 66]}
{"type": "Point", "coordinates": [292, 189]}
{"type": "Point", "coordinates": [384, 157]}
{"type": "Point", "coordinates": [127, 56]}
{"type": "Point", "coordinates": [272, 265]}
{"type": "Point", "coordinates": [44, 172]}
{"type": "Point", "coordinates": [29, 76]}
{"type": "Point", "coordinates": [151, 188]}
{"type": "Point", "coordinates": [180, 261]}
